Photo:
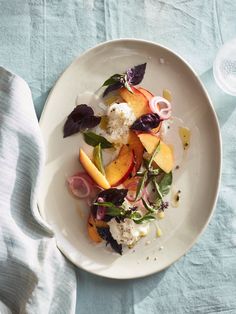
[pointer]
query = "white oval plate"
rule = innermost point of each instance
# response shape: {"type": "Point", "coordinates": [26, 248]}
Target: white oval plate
{"type": "Point", "coordinates": [198, 179]}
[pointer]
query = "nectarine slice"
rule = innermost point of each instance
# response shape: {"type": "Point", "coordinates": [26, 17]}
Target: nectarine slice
{"type": "Point", "coordinates": [131, 183]}
{"type": "Point", "coordinates": [164, 158]}
{"type": "Point", "coordinates": [120, 168]}
{"type": "Point", "coordinates": [92, 170]}
{"type": "Point", "coordinates": [137, 147]}
{"type": "Point", "coordinates": [137, 101]}
{"type": "Point", "coordinates": [146, 93]}
{"type": "Point", "coordinates": [92, 230]}
{"type": "Point", "coordinates": [124, 150]}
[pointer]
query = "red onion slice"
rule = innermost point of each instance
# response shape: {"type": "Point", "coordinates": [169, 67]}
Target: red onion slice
{"type": "Point", "coordinates": [79, 186]}
{"type": "Point", "coordinates": [161, 106]}
{"type": "Point", "coordinates": [85, 176]}
{"type": "Point", "coordinates": [131, 196]}
{"type": "Point", "coordinates": [132, 187]}
{"type": "Point", "coordinates": [101, 212]}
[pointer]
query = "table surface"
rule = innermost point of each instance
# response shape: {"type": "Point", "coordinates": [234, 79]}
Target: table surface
{"type": "Point", "coordinates": [40, 38]}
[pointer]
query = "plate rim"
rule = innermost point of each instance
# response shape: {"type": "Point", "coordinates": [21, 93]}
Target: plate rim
{"type": "Point", "coordinates": [219, 147]}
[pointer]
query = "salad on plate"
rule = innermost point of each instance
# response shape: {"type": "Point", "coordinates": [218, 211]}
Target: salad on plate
{"type": "Point", "coordinates": [127, 178]}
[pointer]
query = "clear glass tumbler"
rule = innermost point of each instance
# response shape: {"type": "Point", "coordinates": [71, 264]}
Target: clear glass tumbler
{"type": "Point", "coordinates": [224, 67]}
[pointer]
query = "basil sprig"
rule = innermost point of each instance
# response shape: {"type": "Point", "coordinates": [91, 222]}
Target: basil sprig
{"type": "Point", "coordinates": [148, 207]}
{"type": "Point", "coordinates": [160, 180]}
{"type": "Point", "coordinates": [157, 188]}
{"type": "Point", "coordinates": [157, 149]}
{"type": "Point", "coordinates": [119, 211]}
{"type": "Point", "coordinates": [149, 172]}
{"type": "Point", "coordinates": [132, 76]}
{"type": "Point", "coordinates": [141, 184]}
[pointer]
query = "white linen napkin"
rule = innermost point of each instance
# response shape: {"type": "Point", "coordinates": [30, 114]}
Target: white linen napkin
{"type": "Point", "coordinates": [34, 276]}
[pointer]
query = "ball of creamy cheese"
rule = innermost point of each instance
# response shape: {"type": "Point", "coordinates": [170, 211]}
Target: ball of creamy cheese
{"type": "Point", "coordinates": [127, 232]}
{"type": "Point", "coordinates": [120, 118]}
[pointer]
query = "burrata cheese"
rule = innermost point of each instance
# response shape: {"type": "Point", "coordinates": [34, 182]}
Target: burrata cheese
{"type": "Point", "coordinates": [127, 232]}
{"type": "Point", "coordinates": [120, 118]}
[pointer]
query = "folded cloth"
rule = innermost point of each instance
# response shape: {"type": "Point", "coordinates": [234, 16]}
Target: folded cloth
{"type": "Point", "coordinates": [34, 276]}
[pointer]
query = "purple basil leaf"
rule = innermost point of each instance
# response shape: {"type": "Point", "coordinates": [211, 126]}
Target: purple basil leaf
{"type": "Point", "coordinates": [90, 122]}
{"type": "Point", "coordinates": [81, 118]}
{"type": "Point", "coordinates": [113, 195]}
{"type": "Point", "coordinates": [71, 127]}
{"type": "Point", "coordinates": [103, 232]}
{"type": "Point", "coordinates": [81, 111]}
{"type": "Point", "coordinates": [146, 122]}
{"type": "Point", "coordinates": [135, 75]}
{"type": "Point", "coordinates": [113, 243]}
{"type": "Point", "coordinates": [106, 235]}
{"type": "Point", "coordinates": [112, 88]}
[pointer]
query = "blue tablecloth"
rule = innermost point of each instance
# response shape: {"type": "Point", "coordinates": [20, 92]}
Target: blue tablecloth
{"type": "Point", "coordinates": [39, 38]}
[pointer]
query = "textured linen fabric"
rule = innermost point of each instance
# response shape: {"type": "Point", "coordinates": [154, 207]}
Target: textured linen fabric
{"type": "Point", "coordinates": [39, 38]}
{"type": "Point", "coordinates": [34, 276]}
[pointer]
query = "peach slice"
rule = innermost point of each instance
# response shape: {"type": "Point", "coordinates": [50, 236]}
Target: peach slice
{"type": "Point", "coordinates": [92, 225]}
{"type": "Point", "coordinates": [164, 158]}
{"type": "Point", "coordinates": [120, 168]}
{"type": "Point", "coordinates": [92, 230]}
{"type": "Point", "coordinates": [131, 183]}
{"type": "Point", "coordinates": [137, 101]}
{"type": "Point", "coordinates": [137, 147]}
{"type": "Point", "coordinates": [124, 150]}
{"type": "Point", "coordinates": [92, 170]}
{"type": "Point", "coordinates": [146, 93]}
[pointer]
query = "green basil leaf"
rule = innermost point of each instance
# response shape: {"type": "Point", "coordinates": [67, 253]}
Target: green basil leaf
{"type": "Point", "coordinates": [111, 210]}
{"type": "Point", "coordinates": [141, 185]}
{"type": "Point", "coordinates": [113, 79]}
{"type": "Point", "coordinates": [157, 149]}
{"type": "Point", "coordinates": [135, 215]}
{"type": "Point", "coordinates": [165, 183]}
{"type": "Point", "coordinates": [114, 211]}
{"type": "Point", "coordinates": [145, 218]}
{"type": "Point", "coordinates": [93, 139]}
{"type": "Point", "coordinates": [105, 204]}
